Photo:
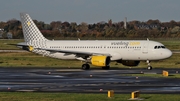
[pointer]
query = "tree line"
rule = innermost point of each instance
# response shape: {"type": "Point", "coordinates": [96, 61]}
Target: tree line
{"type": "Point", "coordinates": [109, 29]}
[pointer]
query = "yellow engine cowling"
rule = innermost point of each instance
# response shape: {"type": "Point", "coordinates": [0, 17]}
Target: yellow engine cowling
{"type": "Point", "coordinates": [101, 61]}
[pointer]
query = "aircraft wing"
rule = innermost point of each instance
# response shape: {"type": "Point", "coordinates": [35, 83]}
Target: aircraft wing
{"type": "Point", "coordinates": [20, 44]}
{"type": "Point", "coordinates": [73, 52]}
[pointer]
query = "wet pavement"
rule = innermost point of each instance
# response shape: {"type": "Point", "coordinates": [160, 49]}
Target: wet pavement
{"type": "Point", "coordinates": [88, 81]}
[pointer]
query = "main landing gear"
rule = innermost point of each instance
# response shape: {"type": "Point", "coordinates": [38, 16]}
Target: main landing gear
{"type": "Point", "coordinates": [149, 67]}
{"type": "Point", "coordinates": [85, 66]}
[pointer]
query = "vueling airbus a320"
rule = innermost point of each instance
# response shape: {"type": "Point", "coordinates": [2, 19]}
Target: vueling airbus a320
{"type": "Point", "coordinates": [98, 53]}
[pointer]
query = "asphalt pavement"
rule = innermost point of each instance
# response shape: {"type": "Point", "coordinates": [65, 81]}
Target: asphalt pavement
{"type": "Point", "coordinates": [87, 81]}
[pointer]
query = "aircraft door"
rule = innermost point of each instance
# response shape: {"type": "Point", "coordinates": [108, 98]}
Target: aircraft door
{"type": "Point", "coordinates": [104, 48]}
{"type": "Point", "coordinates": [145, 48]}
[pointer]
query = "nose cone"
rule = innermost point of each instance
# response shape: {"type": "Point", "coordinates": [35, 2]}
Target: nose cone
{"type": "Point", "coordinates": [167, 53]}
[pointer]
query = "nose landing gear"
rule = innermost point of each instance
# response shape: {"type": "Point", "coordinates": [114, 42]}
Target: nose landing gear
{"type": "Point", "coordinates": [149, 67]}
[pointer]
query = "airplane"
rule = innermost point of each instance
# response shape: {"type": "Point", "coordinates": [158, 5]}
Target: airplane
{"type": "Point", "coordinates": [96, 52]}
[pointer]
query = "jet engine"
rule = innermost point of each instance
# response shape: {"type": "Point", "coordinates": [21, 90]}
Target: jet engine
{"type": "Point", "coordinates": [101, 61]}
{"type": "Point", "coordinates": [129, 62]}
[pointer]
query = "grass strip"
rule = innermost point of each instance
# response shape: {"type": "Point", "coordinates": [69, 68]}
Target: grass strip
{"type": "Point", "coordinates": [40, 96]}
{"type": "Point", "coordinates": [34, 60]}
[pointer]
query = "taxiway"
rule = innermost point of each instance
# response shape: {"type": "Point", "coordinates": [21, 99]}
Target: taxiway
{"type": "Point", "coordinates": [86, 81]}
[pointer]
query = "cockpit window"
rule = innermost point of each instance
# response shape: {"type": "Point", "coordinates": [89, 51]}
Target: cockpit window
{"type": "Point", "coordinates": [159, 47]}
{"type": "Point", "coordinates": [155, 47]}
{"type": "Point", "coordinates": [163, 47]}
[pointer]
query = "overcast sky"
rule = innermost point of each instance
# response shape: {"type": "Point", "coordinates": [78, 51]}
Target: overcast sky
{"type": "Point", "coordinates": [91, 11]}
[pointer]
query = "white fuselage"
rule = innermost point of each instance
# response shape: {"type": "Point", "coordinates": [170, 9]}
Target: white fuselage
{"type": "Point", "coordinates": [117, 49]}
{"type": "Point", "coordinates": [99, 53]}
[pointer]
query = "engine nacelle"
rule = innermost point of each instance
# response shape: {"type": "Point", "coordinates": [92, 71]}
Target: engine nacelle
{"type": "Point", "coordinates": [129, 62]}
{"type": "Point", "coordinates": [101, 61]}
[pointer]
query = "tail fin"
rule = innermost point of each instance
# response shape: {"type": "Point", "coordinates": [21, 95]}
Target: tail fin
{"type": "Point", "coordinates": [30, 30]}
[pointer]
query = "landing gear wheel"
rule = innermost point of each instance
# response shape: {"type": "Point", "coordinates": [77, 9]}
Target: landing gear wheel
{"type": "Point", "coordinates": [106, 68]}
{"type": "Point", "coordinates": [149, 68]}
{"type": "Point", "coordinates": [85, 66]}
